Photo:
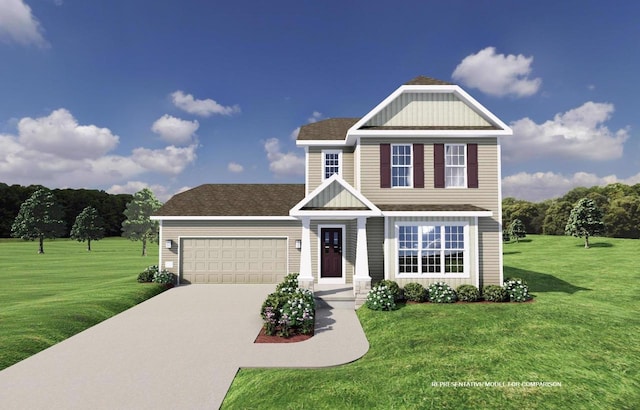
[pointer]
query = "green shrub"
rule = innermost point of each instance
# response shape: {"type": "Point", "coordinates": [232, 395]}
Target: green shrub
{"type": "Point", "coordinates": [380, 297]}
{"type": "Point", "coordinates": [495, 293]}
{"type": "Point", "coordinates": [147, 275]}
{"type": "Point", "coordinates": [393, 288]}
{"type": "Point", "coordinates": [164, 277]}
{"type": "Point", "coordinates": [468, 293]}
{"type": "Point", "coordinates": [415, 292]}
{"type": "Point", "coordinates": [517, 289]}
{"type": "Point", "coordinates": [440, 292]}
{"type": "Point", "coordinates": [289, 284]}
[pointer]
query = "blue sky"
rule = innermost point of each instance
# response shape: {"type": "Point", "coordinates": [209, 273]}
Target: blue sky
{"type": "Point", "coordinates": [121, 95]}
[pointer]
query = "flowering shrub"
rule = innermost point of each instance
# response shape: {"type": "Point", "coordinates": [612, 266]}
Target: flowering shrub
{"type": "Point", "coordinates": [380, 297]}
{"type": "Point", "coordinates": [289, 310]}
{"type": "Point", "coordinates": [147, 275]}
{"type": "Point", "coordinates": [415, 292]}
{"type": "Point", "coordinates": [164, 277]}
{"type": "Point", "coordinates": [517, 289]}
{"type": "Point", "coordinates": [440, 292]}
{"type": "Point", "coordinates": [393, 288]}
{"type": "Point", "coordinates": [468, 293]}
{"type": "Point", "coordinates": [495, 293]}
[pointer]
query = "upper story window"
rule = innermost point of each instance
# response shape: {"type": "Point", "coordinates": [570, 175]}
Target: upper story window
{"type": "Point", "coordinates": [401, 166]}
{"type": "Point", "coordinates": [331, 163]}
{"type": "Point", "coordinates": [455, 170]}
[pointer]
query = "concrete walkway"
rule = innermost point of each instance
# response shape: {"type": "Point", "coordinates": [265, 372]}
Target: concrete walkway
{"type": "Point", "coordinates": [180, 349]}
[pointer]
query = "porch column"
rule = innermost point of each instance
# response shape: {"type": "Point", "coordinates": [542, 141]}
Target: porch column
{"type": "Point", "coordinates": [361, 278]}
{"type": "Point", "coordinates": [305, 277]}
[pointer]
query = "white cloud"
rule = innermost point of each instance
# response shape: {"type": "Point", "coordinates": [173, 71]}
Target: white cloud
{"type": "Point", "coordinates": [539, 186]}
{"type": "Point", "coordinates": [577, 133]}
{"type": "Point", "coordinates": [175, 130]}
{"type": "Point", "coordinates": [203, 108]}
{"type": "Point", "coordinates": [59, 134]}
{"type": "Point", "coordinates": [283, 164]}
{"type": "Point", "coordinates": [171, 160]}
{"type": "Point", "coordinates": [315, 117]}
{"type": "Point", "coordinates": [235, 167]}
{"type": "Point", "coordinates": [19, 25]}
{"type": "Point", "coordinates": [294, 133]}
{"type": "Point", "coordinates": [58, 152]}
{"type": "Point", "coordinates": [497, 74]}
{"type": "Point", "coordinates": [131, 187]}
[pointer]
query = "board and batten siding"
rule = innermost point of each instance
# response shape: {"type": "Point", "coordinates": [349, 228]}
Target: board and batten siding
{"type": "Point", "coordinates": [392, 261]}
{"type": "Point", "coordinates": [348, 245]}
{"type": "Point", "coordinates": [335, 195]}
{"type": "Point", "coordinates": [428, 109]}
{"type": "Point", "coordinates": [316, 166]}
{"type": "Point", "coordinates": [175, 230]}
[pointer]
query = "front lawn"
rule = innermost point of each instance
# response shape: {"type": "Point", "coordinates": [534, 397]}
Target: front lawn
{"type": "Point", "coordinates": [48, 298]}
{"type": "Point", "coordinates": [581, 335]}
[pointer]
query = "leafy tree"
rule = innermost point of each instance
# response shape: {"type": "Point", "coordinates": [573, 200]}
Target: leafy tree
{"type": "Point", "coordinates": [88, 227]}
{"type": "Point", "coordinates": [40, 217]}
{"type": "Point", "coordinates": [517, 229]}
{"type": "Point", "coordinates": [585, 220]}
{"type": "Point", "coordinates": [513, 209]}
{"type": "Point", "coordinates": [555, 219]}
{"type": "Point", "coordinates": [138, 225]}
{"type": "Point", "coordinates": [623, 218]}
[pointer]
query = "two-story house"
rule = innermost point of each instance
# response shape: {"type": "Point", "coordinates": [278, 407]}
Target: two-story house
{"type": "Point", "coordinates": [409, 192]}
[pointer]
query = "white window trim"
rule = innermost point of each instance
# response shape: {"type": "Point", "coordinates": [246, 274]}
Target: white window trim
{"type": "Point", "coordinates": [466, 159]}
{"type": "Point", "coordinates": [440, 275]}
{"type": "Point", "coordinates": [324, 162]}
{"type": "Point", "coordinates": [403, 166]}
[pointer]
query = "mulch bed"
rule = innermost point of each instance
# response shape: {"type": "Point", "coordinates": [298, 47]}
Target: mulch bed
{"type": "Point", "coordinates": [263, 338]}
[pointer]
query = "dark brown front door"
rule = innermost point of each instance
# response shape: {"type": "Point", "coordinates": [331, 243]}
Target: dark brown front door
{"type": "Point", "coordinates": [331, 249]}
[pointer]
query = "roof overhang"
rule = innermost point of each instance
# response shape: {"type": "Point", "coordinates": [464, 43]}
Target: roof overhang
{"type": "Point", "coordinates": [223, 218]}
{"type": "Point", "coordinates": [449, 214]}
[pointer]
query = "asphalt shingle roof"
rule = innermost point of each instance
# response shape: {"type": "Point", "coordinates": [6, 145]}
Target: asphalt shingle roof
{"type": "Point", "coordinates": [330, 129]}
{"type": "Point", "coordinates": [422, 80]}
{"type": "Point", "coordinates": [234, 200]}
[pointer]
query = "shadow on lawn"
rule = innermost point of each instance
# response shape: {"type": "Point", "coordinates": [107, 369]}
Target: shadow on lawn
{"type": "Point", "coordinates": [597, 245]}
{"type": "Point", "coordinates": [542, 282]}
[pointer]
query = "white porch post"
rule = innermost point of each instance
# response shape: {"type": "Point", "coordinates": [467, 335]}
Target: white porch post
{"type": "Point", "coordinates": [305, 277]}
{"type": "Point", "coordinates": [361, 278]}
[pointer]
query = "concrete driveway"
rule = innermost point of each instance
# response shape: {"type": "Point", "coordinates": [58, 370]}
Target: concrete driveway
{"type": "Point", "coordinates": [180, 349]}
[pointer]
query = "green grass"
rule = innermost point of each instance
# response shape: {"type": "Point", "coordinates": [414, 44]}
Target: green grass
{"type": "Point", "coordinates": [47, 298]}
{"type": "Point", "coordinates": [582, 331]}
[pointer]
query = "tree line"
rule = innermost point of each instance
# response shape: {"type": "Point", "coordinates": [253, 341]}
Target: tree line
{"type": "Point", "coordinates": [110, 207]}
{"type": "Point", "coordinates": [619, 204]}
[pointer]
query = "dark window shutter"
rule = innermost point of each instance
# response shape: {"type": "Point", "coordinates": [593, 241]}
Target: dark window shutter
{"type": "Point", "coordinates": [438, 165]}
{"type": "Point", "coordinates": [472, 165]}
{"type": "Point", "coordinates": [418, 166]}
{"type": "Point", "coordinates": [385, 165]}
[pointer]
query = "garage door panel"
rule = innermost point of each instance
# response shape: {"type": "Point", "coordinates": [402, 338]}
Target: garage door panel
{"type": "Point", "coordinates": [234, 260]}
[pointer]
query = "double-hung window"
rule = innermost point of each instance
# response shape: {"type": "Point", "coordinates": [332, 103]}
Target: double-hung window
{"type": "Point", "coordinates": [433, 250]}
{"type": "Point", "coordinates": [331, 162]}
{"type": "Point", "coordinates": [401, 166]}
{"type": "Point", "coordinates": [455, 166]}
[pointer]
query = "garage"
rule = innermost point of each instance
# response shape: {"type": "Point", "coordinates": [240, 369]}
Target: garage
{"type": "Point", "coordinates": [233, 260]}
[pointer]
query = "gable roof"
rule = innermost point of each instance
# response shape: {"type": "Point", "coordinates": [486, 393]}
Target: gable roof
{"type": "Point", "coordinates": [326, 130]}
{"type": "Point", "coordinates": [233, 200]}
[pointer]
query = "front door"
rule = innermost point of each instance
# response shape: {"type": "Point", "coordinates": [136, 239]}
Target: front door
{"type": "Point", "coordinates": [331, 249]}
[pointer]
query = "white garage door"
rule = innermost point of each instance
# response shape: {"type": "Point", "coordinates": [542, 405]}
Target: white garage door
{"type": "Point", "coordinates": [234, 260]}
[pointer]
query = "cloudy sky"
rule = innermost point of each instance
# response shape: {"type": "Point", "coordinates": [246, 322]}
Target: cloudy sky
{"type": "Point", "coordinates": [123, 94]}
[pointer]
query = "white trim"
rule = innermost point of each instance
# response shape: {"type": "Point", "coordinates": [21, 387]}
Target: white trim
{"type": "Point", "coordinates": [306, 170]}
{"type": "Point", "coordinates": [161, 248]}
{"type": "Point", "coordinates": [441, 275]}
{"type": "Point", "coordinates": [323, 154]}
{"type": "Point", "coordinates": [477, 258]}
{"type": "Point", "coordinates": [322, 143]}
{"type": "Point", "coordinates": [180, 247]}
{"type": "Point", "coordinates": [465, 184]}
{"type": "Point", "coordinates": [343, 279]}
{"type": "Point", "coordinates": [356, 163]}
{"type": "Point", "coordinates": [500, 244]}
{"type": "Point", "coordinates": [297, 209]}
{"type": "Point", "coordinates": [222, 218]}
{"type": "Point", "coordinates": [385, 246]}
{"type": "Point", "coordinates": [410, 176]}
{"type": "Point", "coordinates": [438, 213]}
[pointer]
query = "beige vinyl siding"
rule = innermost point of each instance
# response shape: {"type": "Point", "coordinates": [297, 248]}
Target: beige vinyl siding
{"type": "Point", "coordinates": [427, 109]}
{"type": "Point", "coordinates": [392, 261]}
{"type": "Point", "coordinates": [316, 166]}
{"type": "Point", "coordinates": [175, 230]}
{"type": "Point", "coordinates": [489, 239]}
{"type": "Point", "coordinates": [375, 248]}
{"type": "Point", "coordinates": [335, 195]}
{"type": "Point", "coordinates": [348, 242]}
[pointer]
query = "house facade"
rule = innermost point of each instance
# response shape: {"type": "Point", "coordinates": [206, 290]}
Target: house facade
{"type": "Point", "coordinates": [409, 192]}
